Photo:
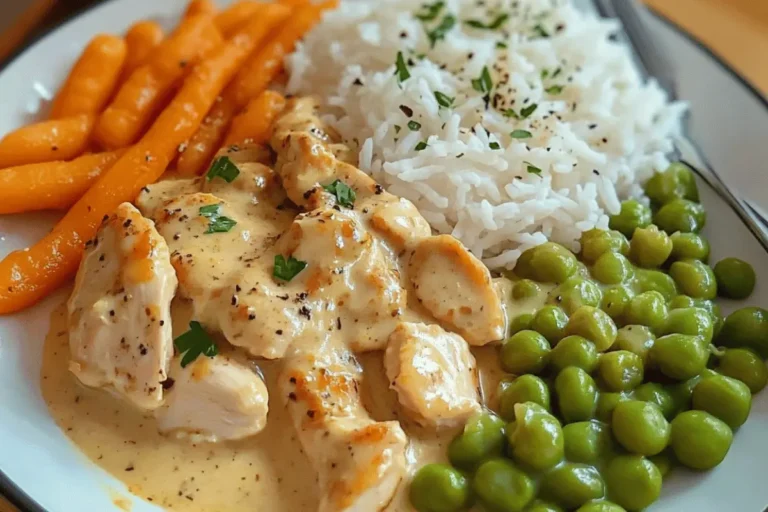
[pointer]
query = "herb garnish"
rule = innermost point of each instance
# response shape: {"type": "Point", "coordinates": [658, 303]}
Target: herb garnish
{"type": "Point", "coordinates": [554, 89]}
{"type": "Point", "coordinates": [532, 169]}
{"type": "Point", "coordinates": [502, 45]}
{"type": "Point", "coordinates": [414, 126]}
{"type": "Point", "coordinates": [421, 146]}
{"type": "Point", "coordinates": [401, 69]}
{"type": "Point", "coordinates": [484, 83]}
{"type": "Point", "coordinates": [345, 196]}
{"type": "Point", "coordinates": [521, 134]}
{"type": "Point", "coordinates": [524, 113]}
{"type": "Point", "coordinates": [430, 11]}
{"type": "Point", "coordinates": [397, 129]}
{"type": "Point", "coordinates": [287, 269]}
{"type": "Point", "coordinates": [193, 343]}
{"type": "Point", "coordinates": [218, 223]}
{"type": "Point", "coordinates": [540, 31]}
{"type": "Point", "coordinates": [443, 99]}
{"type": "Point", "coordinates": [494, 145]}
{"type": "Point", "coordinates": [439, 32]}
{"type": "Point", "coordinates": [224, 168]}
{"type": "Point", "coordinates": [493, 25]}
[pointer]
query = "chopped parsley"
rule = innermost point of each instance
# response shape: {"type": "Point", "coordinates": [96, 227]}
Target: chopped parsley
{"type": "Point", "coordinates": [494, 145]}
{"type": "Point", "coordinates": [439, 32]}
{"type": "Point", "coordinates": [421, 146]}
{"type": "Point", "coordinates": [287, 269]}
{"type": "Point", "coordinates": [218, 223]}
{"type": "Point", "coordinates": [224, 168]}
{"type": "Point", "coordinates": [554, 89]}
{"type": "Point", "coordinates": [521, 134]}
{"type": "Point", "coordinates": [443, 99]}
{"type": "Point", "coordinates": [193, 343]}
{"type": "Point", "coordinates": [397, 129]}
{"type": "Point", "coordinates": [493, 25]}
{"type": "Point", "coordinates": [414, 126]}
{"type": "Point", "coordinates": [430, 11]}
{"type": "Point", "coordinates": [540, 31]}
{"type": "Point", "coordinates": [484, 83]}
{"type": "Point", "coordinates": [401, 69]}
{"type": "Point", "coordinates": [511, 113]}
{"type": "Point", "coordinates": [502, 45]}
{"type": "Point", "coordinates": [532, 169]}
{"type": "Point", "coordinates": [345, 196]}
{"type": "Point", "coordinates": [557, 72]}
{"type": "Point", "coordinates": [527, 111]}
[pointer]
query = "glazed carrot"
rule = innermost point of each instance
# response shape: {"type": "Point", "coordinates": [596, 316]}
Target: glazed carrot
{"type": "Point", "coordinates": [51, 185]}
{"type": "Point", "coordinates": [233, 17]}
{"type": "Point", "coordinates": [253, 124]}
{"type": "Point", "coordinates": [92, 80]}
{"type": "Point", "coordinates": [295, 3]}
{"type": "Point", "coordinates": [29, 275]}
{"type": "Point", "coordinates": [141, 38]}
{"type": "Point", "coordinates": [209, 137]}
{"type": "Point", "coordinates": [143, 95]}
{"type": "Point", "coordinates": [196, 7]}
{"type": "Point", "coordinates": [58, 139]}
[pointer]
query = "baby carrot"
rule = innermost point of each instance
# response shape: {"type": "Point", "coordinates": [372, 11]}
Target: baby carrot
{"type": "Point", "coordinates": [92, 80]}
{"type": "Point", "coordinates": [142, 96]}
{"type": "Point", "coordinates": [196, 7]}
{"type": "Point", "coordinates": [141, 38]}
{"type": "Point", "coordinates": [58, 139]}
{"type": "Point", "coordinates": [29, 275]}
{"type": "Point", "coordinates": [253, 124]}
{"type": "Point", "coordinates": [51, 185]}
{"type": "Point", "coordinates": [234, 16]}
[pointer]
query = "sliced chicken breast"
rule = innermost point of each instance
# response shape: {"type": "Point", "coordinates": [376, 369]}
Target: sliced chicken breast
{"type": "Point", "coordinates": [214, 399]}
{"type": "Point", "coordinates": [359, 462]}
{"type": "Point", "coordinates": [119, 312]}
{"type": "Point", "coordinates": [433, 373]}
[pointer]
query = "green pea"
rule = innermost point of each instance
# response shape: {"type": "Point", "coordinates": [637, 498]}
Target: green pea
{"type": "Point", "coordinates": [663, 461]}
{"type": "Point", "coordinates": [596, 242]}
{"type": "Point", "coordinates": [615, 301]}
{"type": "Point", "coordinates": [607, 402]}
{"type": "Point", "coordinates": [587, 442]}
{"type": "Point", "coordinates": [502, 487]}
{"type": "Point", "coordinates": [679, 356]}
{"type": "Point", "coordinates": [525, 388]}
{"type": "Point", "coordinates": [640, 427]}
{"type": "Point", "coordinates": [523, 266]}
{"type": "Point", "coordinates": [681, 302]}
{"type": "Point", "coordinates": [735, 278]}
{"type": "Point", "coordinates": [571, 485]}
{"type": "Point", "coordinates": [633, 215]}
{"type": "Point", "coordinates": [574, 351]}
{"type": "Point", "coordinates": [634, 482]}
{"type": "Point", "coordinates": [612, 268]}
{"type": "Point", "coordinates": [535, 437]}
{"type": "Point", "coordinates": [745, 365]}
{"type": "Point", "coordinates": [525, 289]}
{"type": "Point", "coordinates": [657, 394]}
{"type": "Point", "coordinates": [676, 182]}
{"type": "Point", "coordinates": [649, 309]}
{"type": "Point", "coordinates": [637, 339]}
{"type": "Point", "coordinates": [576, 395]}
{"type": "Point", "coordinates": [550, 322]}
{"type": "Point", "coordinates": [577, 292]}
{"type": "Point", "coordinates": [543, 506]}
{"type": "Point", "coordinates": [439, 488]}
{"type": "Point", "coordinates": [694, 278]}
{"type": "Point", "coordinates": [620, 370]}
{"type": "Point", "coordinates": [691, 321]}
{"type": "Point", "coordinates": [482, 437]}
{"type": "Point", "coordinates": [689, 246]}
{"type": "Point", "coordinates": [600, 506]}
{"type": "Point", "coordinates": [525, 352]}
{"type": "Point", "coordinates": [681, 215]}
{"type": "Point", "coordinates": [699, 440]}
{"type": "Point", "coordinates": [521, 323]}
{"type": "Point", "coordinates": [593, 324]}
{"type": "Point", "coordinates": [650, 247]}
{"type": "Point", "coordinates": [682, 393]}
{"type": "Point", "coordinates": [553, 263]}
{"type": "Point", "coordinates": [654, 281]}
{"type": "Point", "coordinates": [746, 328]}
{"type": "Point", "coordinates": [724, 398]}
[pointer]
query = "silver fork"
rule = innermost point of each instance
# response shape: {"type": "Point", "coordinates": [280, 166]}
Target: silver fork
{"type": "Point", "coordinates": [654, 63]}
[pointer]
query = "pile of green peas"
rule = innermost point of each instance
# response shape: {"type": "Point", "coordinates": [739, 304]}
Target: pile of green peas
{"type": "Point", "coordinates": [627, 370]}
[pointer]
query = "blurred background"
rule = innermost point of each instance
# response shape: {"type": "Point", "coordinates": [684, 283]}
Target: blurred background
{"type": "Point", "coordinates": [736, 30]}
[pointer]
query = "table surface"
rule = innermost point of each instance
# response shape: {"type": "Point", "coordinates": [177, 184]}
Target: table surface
{"type": "Point", "coordinates": [736, 30]}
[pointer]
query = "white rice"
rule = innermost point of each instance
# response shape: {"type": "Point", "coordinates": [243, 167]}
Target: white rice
{"type": "Point", "coordinates": [595, 142]}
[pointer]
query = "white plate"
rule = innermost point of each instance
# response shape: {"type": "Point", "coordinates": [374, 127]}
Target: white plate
{"type": "Point", "coordinates": [41, 470]}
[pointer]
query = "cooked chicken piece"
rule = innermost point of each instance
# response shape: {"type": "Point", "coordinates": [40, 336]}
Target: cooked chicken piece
{"type": "Point", "coordinates": [214, 399]}
{"type": "Point", "coordinates": [457, 289]}
{"type": "Point", "coordinates": [152, 199]}
{"type": "Point", "coordinates": [400, 222]}
{"type": "Point", "coordinates": [359, 462]}
{"type": "Point", "coordinates": [119, 312]}
{"type": "Point", "coordinates": [433, 373]}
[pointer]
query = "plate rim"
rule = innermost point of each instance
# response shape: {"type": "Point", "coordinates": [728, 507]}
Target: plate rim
{"type": "Point", "coordinates": [26, 503]}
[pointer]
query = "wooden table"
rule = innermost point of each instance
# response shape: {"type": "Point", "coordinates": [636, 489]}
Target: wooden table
{"type": "Point", "coordinates": [737, 30]}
